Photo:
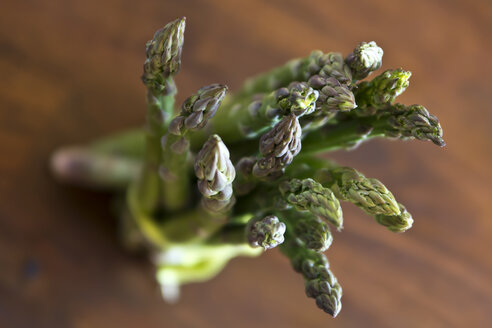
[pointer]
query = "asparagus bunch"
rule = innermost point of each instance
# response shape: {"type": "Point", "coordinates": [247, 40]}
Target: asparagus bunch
{"type": "Point", "coordinates": [232, 175]}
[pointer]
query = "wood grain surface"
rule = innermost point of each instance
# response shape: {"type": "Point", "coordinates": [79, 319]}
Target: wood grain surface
{"type": "Point", "coordinates": [70, 73]}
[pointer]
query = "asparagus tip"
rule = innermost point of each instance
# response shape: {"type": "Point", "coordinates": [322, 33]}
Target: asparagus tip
{"type": "Point", "coordinates": [267, 232]}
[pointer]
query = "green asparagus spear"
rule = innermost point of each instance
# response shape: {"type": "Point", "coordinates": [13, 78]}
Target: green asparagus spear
{"type": "Point", "coordinates": [162, 63]}
{"type": "Point", "coordinates": [395, 121]}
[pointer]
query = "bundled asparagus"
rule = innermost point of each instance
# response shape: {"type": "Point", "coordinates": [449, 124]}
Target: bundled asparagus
{"type": "Point", "coordinates": [212, 182]}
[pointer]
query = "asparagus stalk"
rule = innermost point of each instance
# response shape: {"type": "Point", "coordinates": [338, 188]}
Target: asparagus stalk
{"type": "Point", "coordinates": [162, 63]}
{"type": "Point", "coordinates": [182, 264]}
{"type": "Point", "coordinates": [395, 121]}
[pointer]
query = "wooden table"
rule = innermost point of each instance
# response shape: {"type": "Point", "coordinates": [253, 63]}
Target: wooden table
{"type": "Point", "coordinates": [70, 72]}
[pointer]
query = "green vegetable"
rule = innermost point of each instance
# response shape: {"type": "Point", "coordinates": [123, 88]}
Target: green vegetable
{"type": "Point", "coordinates": [234, 175]}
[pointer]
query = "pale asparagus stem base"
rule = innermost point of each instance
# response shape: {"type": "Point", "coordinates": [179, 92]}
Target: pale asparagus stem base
{"type": "Point", "coordinates": [182, 264]}
{"type": "Point", "coordinates": [182, 257]}
{"type": "Point", "coordinates": [94, 169]}
{"type": "Point", "coordinates": [112, 162]}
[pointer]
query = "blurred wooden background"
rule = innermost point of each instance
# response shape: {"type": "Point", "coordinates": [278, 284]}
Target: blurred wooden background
{"type": "Point", "coordinates": [70, 73]}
